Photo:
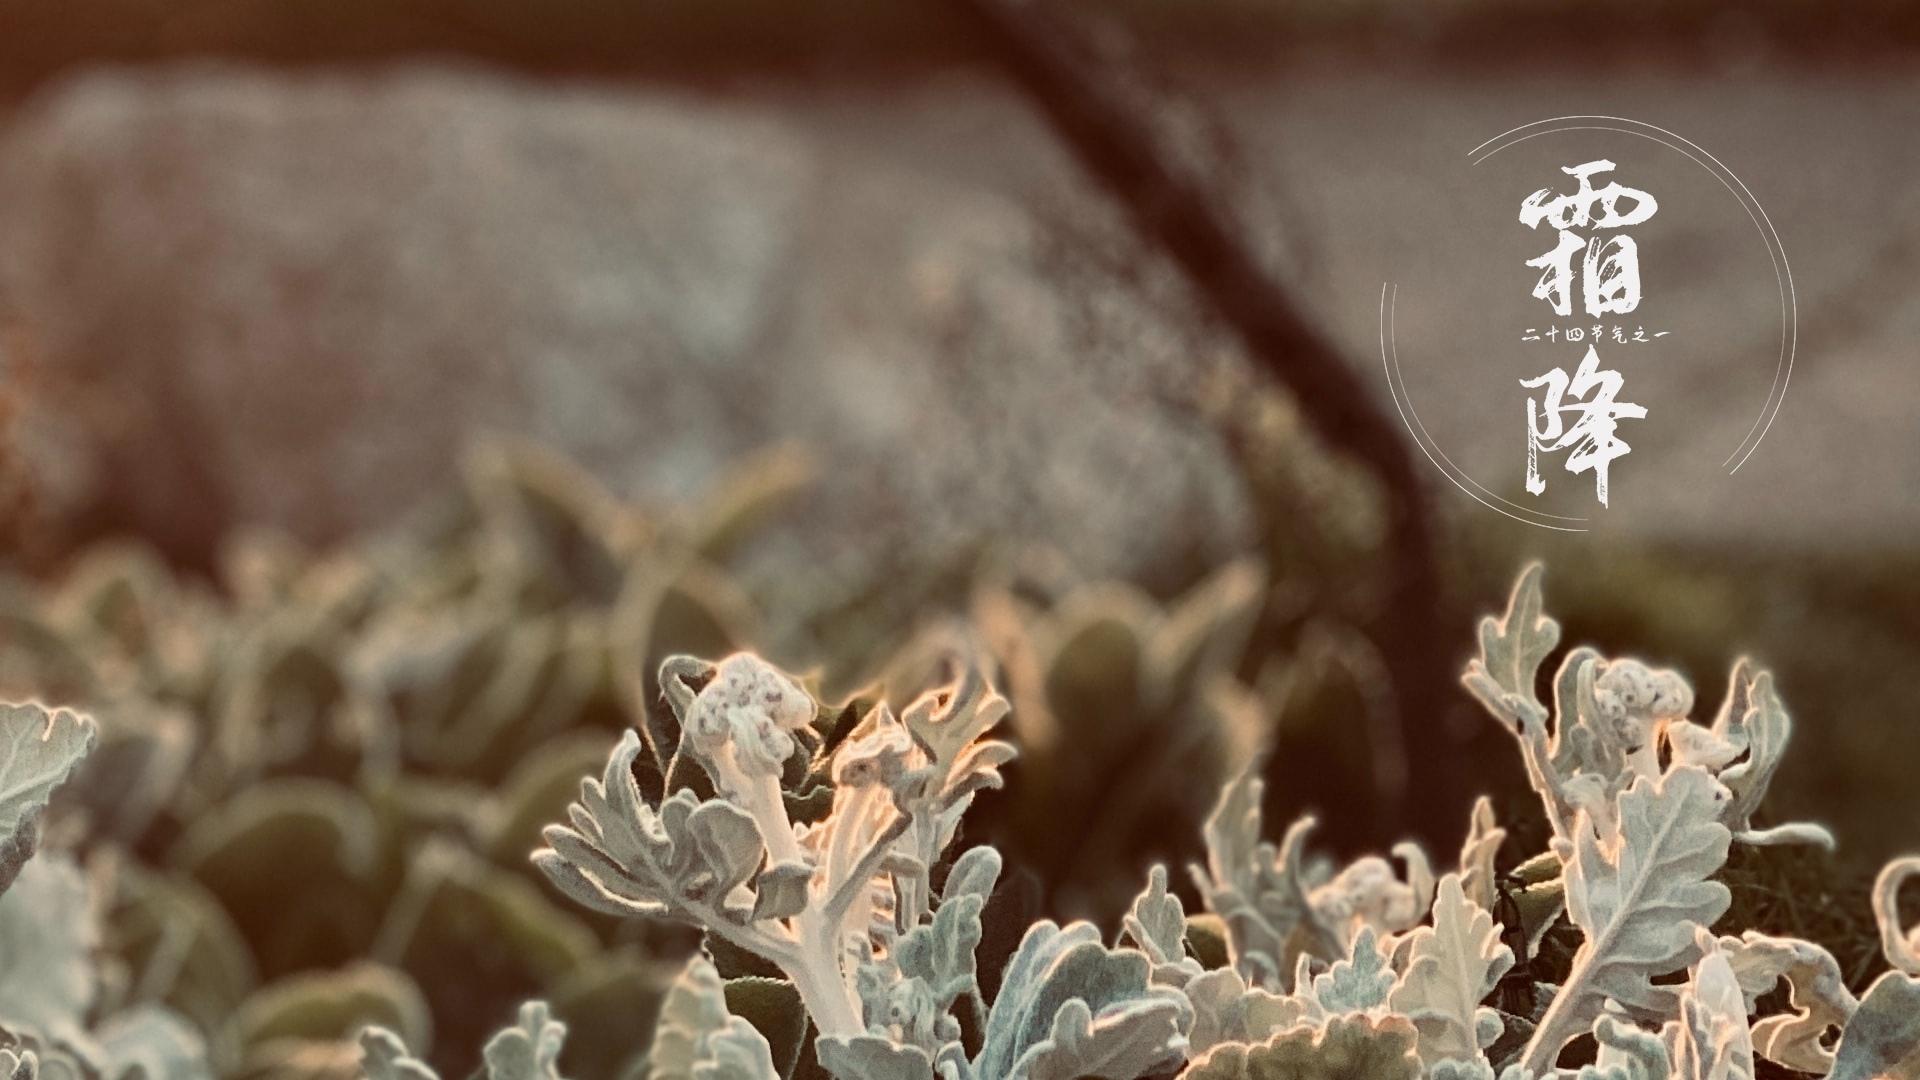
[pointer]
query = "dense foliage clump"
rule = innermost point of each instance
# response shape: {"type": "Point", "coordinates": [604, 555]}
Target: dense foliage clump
{"type": "Point", "coordinates": [290, 835]}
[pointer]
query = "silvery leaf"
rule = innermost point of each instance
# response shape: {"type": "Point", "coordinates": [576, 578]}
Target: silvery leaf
{"type": "Point", "coordinates": [1478, 852]}
{"type": "Point", "coordinates": [1227, 1010]}
{"type": "Point", "coordinates": [973, 874]}
{"type": "Point", "coordinates": [1359, 983]}
{"type": "Point", "coordinates": [1453, 965]}
{"type": "Point", "coordinates": [1816, 989]}
{"type": "Point", "coordinates": [1626, 1053]}
{"type": "Point", "coordinates": [1259, 891]}
{"type": "Point", "coordinates": [780, 891]}
{"type": "Point", "coordinates": [695, 1038]}
{"type": "Point", "coordinates": [1882, 1040]}
{"type": "Point", "coordinates": [1344, 1048]}
{"type": "Point", "coordinates": [872, 1057]}
{"type": "Point", "coordinates": [156, 1042]}
{"type": "Point", "coordinates": [38, 749]}
{"type": "Point", "coordinates": [1069, 1007]}
{"type": "Point", "coordinates": [47, 937]}
{"type": "Point", "coordinates": [1512, 648]}
{"type": "Point", "coordinates": [384, 1057]}
{"type": "Point", "coordinates": [940, 953]}
{"type": "Point", "coordinates": [729, 849]}
{"type": "Point", "coordinates": [19, 1065]}
{"type": "Point", "coordinates": [1133, 1040]}
{"type": "Point", "coordinates": [1157, 926]}
{"type": "Point", "coordinates": [1900, 943]}
{"type": "Point", "coordinates": [530, 1050]}
{"type": "Point", "coordinates": [1755, 720]}
{"type": "Point", "coordinates": [1636, 890]}
{"type": "Point", "coordinates": [1712, 1041]}
{"type": "Point", "coordinates": [621, 856]}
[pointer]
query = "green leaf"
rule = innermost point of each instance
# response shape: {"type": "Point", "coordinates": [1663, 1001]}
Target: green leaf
{"type": "Point", "coordinates": [488, 937]}
{"type": "Point", "coordinates": [609, 1002]}
{"type": "Point", "coordinates": [1093, 674]}
{"type": "Point", "coordinates": [537, 791]}
{"type": "Point", "coordinates": [180, 946]}
{"type": "Point", "coordinates": [238, 852]}
{"type": "Point", "coordinates": [1203, 634]}
{"type": "Point", "coordinates": [773, 1007]}
{"type": "Point", "coordinates": [1207, 940]}
{"type": "Point", "coordinates": [135, 771]}
{"type": "Point", "coordinates": [323, 1008]}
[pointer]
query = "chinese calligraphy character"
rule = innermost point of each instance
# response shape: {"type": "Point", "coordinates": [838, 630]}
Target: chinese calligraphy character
{"type": "Point", "coordinates": [1591, 434]}
{"type": "Point", "coordinates": [1610, 267]}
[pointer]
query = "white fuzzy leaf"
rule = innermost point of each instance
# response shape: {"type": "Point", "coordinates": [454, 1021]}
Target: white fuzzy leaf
{"type": "Point", "coordinates": [530, 1050]}
{"type": "Point", "coordinates": [1453, 965]}
{"type": "Point", "coordinates": [1637, 890]}
{"type": "Point", "coordinates": [47, 938]}
{"type": "Point", "coordinates": [1477, 853]}
{"type": "Point", "coordinates": [1068, 1006]}
{"type": "Point", "coordinates": [695, 1038]}
{"type": "Point", "coordinates": [38, 749]}
{"type": "Point", "coordinates": [1817, 991]}
{"type": "Point", "coordinates": [384, 1056]}
{"type": "Point", "coordinates": [1882, 1041]}
{"type": "Point", "coordinates": [1357, 984]}
{"type": "Point", "coordinates": [1712, 1040]}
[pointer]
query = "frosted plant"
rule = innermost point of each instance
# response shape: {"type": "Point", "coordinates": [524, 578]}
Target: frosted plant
{"type": "Point", "coordinates": [816, 843]}
{"type": "Point", "coordinates": [1612, 718]}
{"type": "Point", "coordinates": [49, 932]}
{"type": "Point", "coordinates": [806, 898]}
{"type": "Point", "coordinates": [529, 1050]}
{"type": "Point", "coordinates": [1278, 907]}
{"type": "Point", "coordinates": [843, 906]}
{"type": "Point", "coordinates": [1643, 804]}
{"type": "Point", "coordinates": [697, 1039]}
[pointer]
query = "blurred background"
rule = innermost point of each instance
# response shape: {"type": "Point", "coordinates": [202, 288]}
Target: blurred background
{"type": "Point", "coordinates": [388, 386]}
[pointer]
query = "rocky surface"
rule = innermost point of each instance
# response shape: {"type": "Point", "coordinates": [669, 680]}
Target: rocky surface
{"type": "Point", "coordinates": [293, 301]}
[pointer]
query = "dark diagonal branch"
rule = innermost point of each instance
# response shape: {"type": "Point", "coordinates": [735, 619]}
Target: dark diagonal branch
{"type": "Point", "coordinates": [1175, 211]}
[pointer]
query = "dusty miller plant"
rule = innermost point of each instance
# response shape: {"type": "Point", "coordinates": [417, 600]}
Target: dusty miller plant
{"type": "Point", "coordinates": [52, 1022]}
{"type": "Point", "coordinates": [1370, 970]}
